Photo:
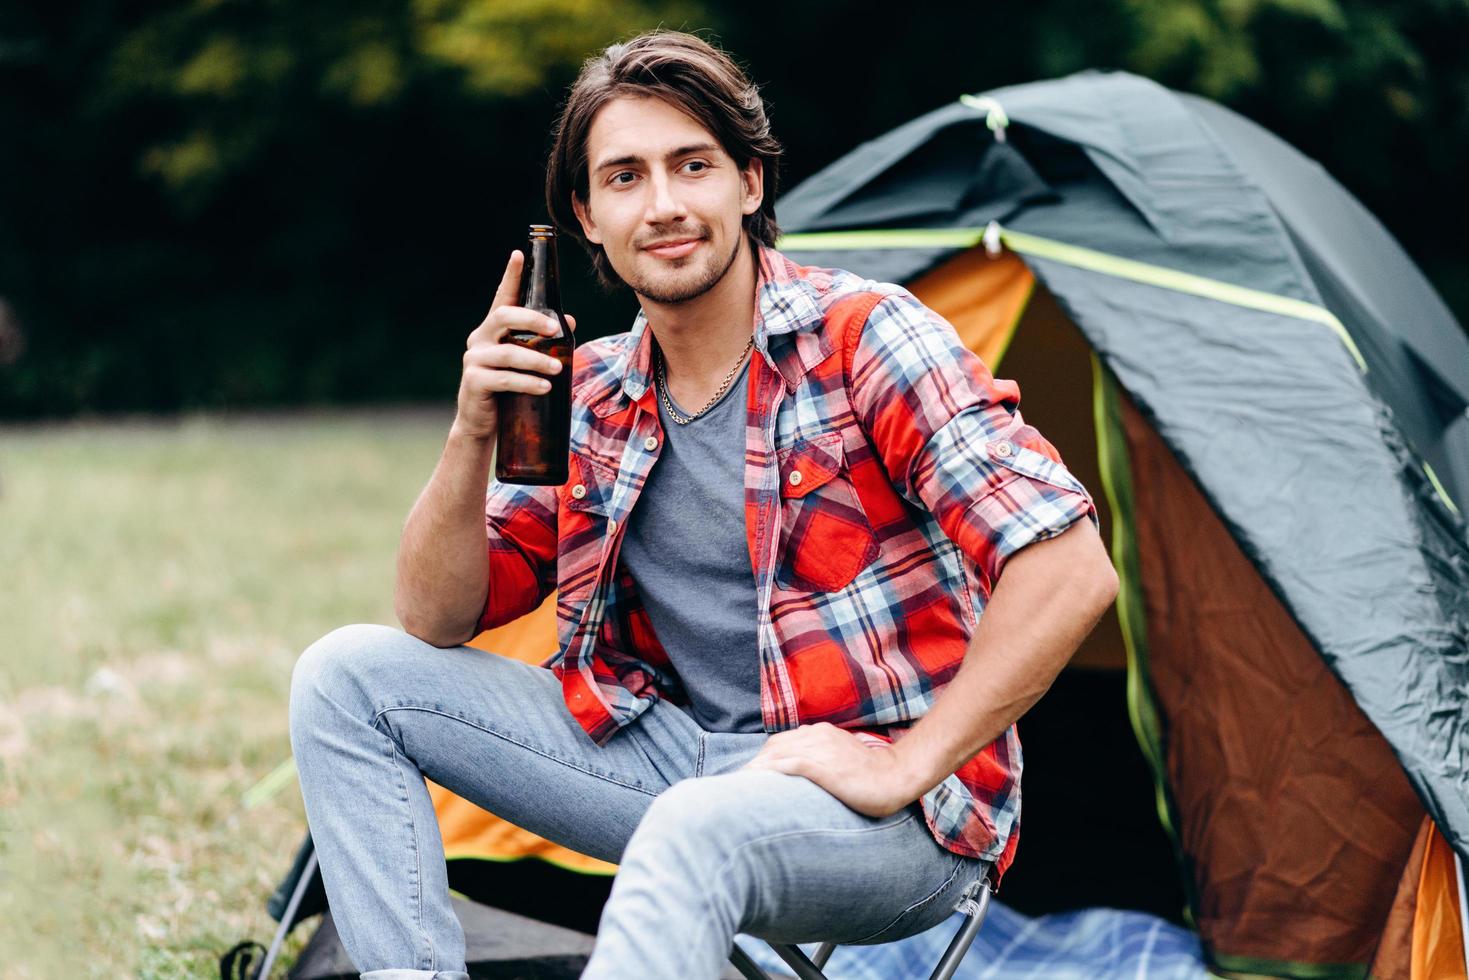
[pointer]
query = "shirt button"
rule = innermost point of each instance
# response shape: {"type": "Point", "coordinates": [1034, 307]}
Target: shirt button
{"type": "Point", "coordinates": [578, 491]}
{"type": "Point", "coordinates": [650, 443]}
{"type": "Point", "coordinates": [611, 525]}
{"type": "Point", "coordinates": [1004, 450]}
{"type": "Point", "coordinates": [795, 478]}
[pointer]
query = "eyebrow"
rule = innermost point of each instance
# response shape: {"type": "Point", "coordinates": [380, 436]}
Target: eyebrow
{"type": "Point", "coordinates": [629, 160]}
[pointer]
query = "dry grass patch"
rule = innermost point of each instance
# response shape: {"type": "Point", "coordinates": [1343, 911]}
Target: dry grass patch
{"type": "Point", "coordinates": [162, 578]}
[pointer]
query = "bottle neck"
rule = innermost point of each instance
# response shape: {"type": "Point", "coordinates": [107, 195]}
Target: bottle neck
{"type": "Point", "coordinates": [539, 289]}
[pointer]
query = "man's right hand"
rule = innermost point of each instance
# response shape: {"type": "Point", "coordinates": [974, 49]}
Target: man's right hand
{"type": "Point", "coordinates": [492, 366]}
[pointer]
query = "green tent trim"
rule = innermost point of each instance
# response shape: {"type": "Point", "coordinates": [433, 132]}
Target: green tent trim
{"type": "Point", "coordinates": [1094, 261]}
{"type": "Point", "coordinates": [1014, 325]}
{"type": "Point", "coordinates": [1081, 258]}
{"type": "Point", "coordinates": [1295, 971]}
{"type": "Point", "coordinates": [1142, 701]}
{"type": "Point", "coordinates": [270, 784]}
{"type": "Point", "coordinates": [1438, 487]}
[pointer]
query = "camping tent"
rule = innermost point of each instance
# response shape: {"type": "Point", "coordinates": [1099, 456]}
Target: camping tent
{"type": "Point", "coordinates": [1272, 399]}
{"type": "Point", "coordinates": [1278, 418]}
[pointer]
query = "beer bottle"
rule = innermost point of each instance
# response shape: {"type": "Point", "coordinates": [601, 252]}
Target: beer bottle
{"type": "Point", "coordinates": [534, 437]}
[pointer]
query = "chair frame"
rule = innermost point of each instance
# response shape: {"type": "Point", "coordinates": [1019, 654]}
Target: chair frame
{"type": "Point", "coordinates": [974, 903]}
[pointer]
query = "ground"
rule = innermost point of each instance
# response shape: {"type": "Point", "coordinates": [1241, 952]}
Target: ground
{"type": "Point", "coordinates": [159, 580]}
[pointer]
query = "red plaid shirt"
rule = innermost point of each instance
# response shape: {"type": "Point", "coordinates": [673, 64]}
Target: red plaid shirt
{"type": "Point", "coordinates": [888, 477]}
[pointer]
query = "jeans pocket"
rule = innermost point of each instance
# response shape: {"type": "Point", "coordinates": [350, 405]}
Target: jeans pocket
{"type": "Point", "coordinates": [935, 908]}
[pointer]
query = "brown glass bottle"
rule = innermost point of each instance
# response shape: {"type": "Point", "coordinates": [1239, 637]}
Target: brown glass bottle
{"type": "Point", "coordinates": [535, 430]}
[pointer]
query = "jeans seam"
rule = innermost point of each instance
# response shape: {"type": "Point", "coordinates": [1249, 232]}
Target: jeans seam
{"type": "Point", "coordinates": [915, 907]}
{"type": "Point", "coordinates": [514, 741]}
{"type": "Point", "coordinates": [782, 835]}
{"type": "Point", "coordinates": [413, 845]}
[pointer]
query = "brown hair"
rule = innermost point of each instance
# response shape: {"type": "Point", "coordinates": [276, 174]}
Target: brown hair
{"type": "Point", "coordinates": [691, 75]}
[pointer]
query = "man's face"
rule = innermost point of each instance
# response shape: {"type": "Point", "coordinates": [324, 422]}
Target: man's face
{"type": "Point", "coordinates": [664, 199]}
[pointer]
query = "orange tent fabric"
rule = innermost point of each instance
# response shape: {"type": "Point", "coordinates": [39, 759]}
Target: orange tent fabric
{"type": "Point", "coordinates": [1438, 933]}
{"type": "Point", "coordinates": [982, 297]}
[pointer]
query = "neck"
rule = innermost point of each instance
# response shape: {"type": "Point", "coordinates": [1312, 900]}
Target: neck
{"type": "Point", "coordinates": [702, 338]}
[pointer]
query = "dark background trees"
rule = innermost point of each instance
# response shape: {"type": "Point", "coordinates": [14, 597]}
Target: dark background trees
{"type": "Point", "coordinates": [215, 203]}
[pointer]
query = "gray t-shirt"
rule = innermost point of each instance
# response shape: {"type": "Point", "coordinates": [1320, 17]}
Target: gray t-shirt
{"type": "Point", "coordinates": [685, 548]}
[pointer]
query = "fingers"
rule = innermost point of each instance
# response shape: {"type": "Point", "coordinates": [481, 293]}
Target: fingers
{"type": "Point", "coordinates": [509, 357]}
{"type": "Point", "coordinates": [504, 319]}
{"type": "Point", "coordinates": [508, 291]}
{"type": "Point", "coordinates": [505, 316]}
{"type": "Point", "coordinates": [482, 381]}
{"type": "Point", "coordinates": [790, 765]}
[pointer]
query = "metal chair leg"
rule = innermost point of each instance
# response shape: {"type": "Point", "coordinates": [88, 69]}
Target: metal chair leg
{"type": "Point", "coordinates": [974, 907]}
{"type": "Point", "coordinates": [745, 965]}
{"type": "Point", "coordinates": [797, 961]}
{"type": "Point", "coordinates": [974, 903]}
{"type": "Point", "coordinates": [289, 918]}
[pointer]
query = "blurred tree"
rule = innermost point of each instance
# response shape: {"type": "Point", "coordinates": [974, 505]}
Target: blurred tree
{"type": "Point", "coordinates": [234, 76]}
{"type": "Point", "coordinates": [215, 202]}
{"type": "Point", "coordinates": [219, 203]}
{"type": "Point", "coordinates": [1378, 92]}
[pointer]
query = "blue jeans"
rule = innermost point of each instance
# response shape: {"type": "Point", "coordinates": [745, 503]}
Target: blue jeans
{"type": "Point", "coordinates": [705, 850]}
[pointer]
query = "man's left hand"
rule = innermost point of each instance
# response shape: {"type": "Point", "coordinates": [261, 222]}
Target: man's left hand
{"type": "Point", "coordinates": [868, 777]}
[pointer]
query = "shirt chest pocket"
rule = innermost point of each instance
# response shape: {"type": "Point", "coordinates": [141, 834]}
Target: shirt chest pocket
{"type": "Point", "coordinates": [586, 504]}
{"type": "Point", "coordinates": [825, 537]}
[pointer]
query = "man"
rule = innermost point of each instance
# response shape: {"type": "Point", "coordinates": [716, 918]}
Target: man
{"type": "Point", "coordinates": [810, 567]}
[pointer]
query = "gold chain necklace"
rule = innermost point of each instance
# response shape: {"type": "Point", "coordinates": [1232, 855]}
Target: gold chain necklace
{"type": "Point", "coordinates": [661, 377]}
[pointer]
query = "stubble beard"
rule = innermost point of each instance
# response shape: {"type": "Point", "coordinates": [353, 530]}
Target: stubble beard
{"type": "Point", "coordinates": [674, 294]}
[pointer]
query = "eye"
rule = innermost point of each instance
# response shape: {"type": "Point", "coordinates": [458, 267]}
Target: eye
{"type": "Point", "coordinates": [617, 177]}
{"type": "Point", "coordinates": [696, 166]}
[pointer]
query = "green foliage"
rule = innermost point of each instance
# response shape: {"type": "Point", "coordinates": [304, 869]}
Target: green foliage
{"type": "Point", "coordinates": [507, 47]}
{"type": "Point", "coordinates": [1378, 92]}
{"type": "Point", "coordinates": [1306, 50]}
{"type": "Point", "coordinates": [214, 203]}
{"type": "Point", "coordinates": [231, 75]}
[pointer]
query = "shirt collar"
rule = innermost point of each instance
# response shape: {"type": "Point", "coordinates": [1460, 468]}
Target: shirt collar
{"type": "Point", "coordinates": [787, 303]}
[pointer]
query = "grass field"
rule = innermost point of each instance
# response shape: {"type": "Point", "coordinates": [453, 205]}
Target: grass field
{"type": "Point", "coordinates": [159, 580]}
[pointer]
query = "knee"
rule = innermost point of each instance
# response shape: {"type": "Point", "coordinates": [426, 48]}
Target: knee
{"type": "Point", "coordinates": [709, 811]}
{"type": "Point", "coordinates": [702, 830]}
{"type": "Point", "coordinates": [339, 669]}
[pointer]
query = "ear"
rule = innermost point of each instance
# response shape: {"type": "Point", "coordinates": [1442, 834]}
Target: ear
{"type": "Point", "coordinates": [753, 179]}
{"type": "Point", "coordinates": [584, 215]}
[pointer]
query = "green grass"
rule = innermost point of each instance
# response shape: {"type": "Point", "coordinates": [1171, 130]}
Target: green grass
{"type": "Point", "coordinates": [157, 582]}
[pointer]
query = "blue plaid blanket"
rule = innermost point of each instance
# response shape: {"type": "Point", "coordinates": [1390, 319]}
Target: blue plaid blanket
{"type": "Point", "coordinates": [1093, 944]}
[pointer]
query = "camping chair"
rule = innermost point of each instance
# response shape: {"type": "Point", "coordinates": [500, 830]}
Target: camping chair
{"type": "Point", "coordinates": [240, 961]}
{"type": "Point", "coordinates": [974, 903]}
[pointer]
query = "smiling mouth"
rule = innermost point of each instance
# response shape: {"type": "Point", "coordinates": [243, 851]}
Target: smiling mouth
{"type": "Point", "coordinates": [674, 249]}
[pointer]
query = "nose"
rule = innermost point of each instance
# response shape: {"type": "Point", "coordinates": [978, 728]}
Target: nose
{"type": "Point", "coordinates": [663, 206]}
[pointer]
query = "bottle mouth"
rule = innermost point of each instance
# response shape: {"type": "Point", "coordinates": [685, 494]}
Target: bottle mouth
{"type": "Point", "coordinates": [542, 231]}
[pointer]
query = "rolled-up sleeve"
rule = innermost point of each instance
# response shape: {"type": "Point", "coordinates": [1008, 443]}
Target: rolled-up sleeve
{"type": "Point", "coordinates": [952, 438]}
{"type": "Point", "coordinates": [520, 530]}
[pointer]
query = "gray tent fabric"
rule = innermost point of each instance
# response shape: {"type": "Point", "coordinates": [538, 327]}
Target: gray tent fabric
{"type": "Point", "coordinates": [1202, 215]}
{"type": "Point", "coordinates": [1386, 302]}
{"type": "Point", "coordinates": [1314, 465]}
